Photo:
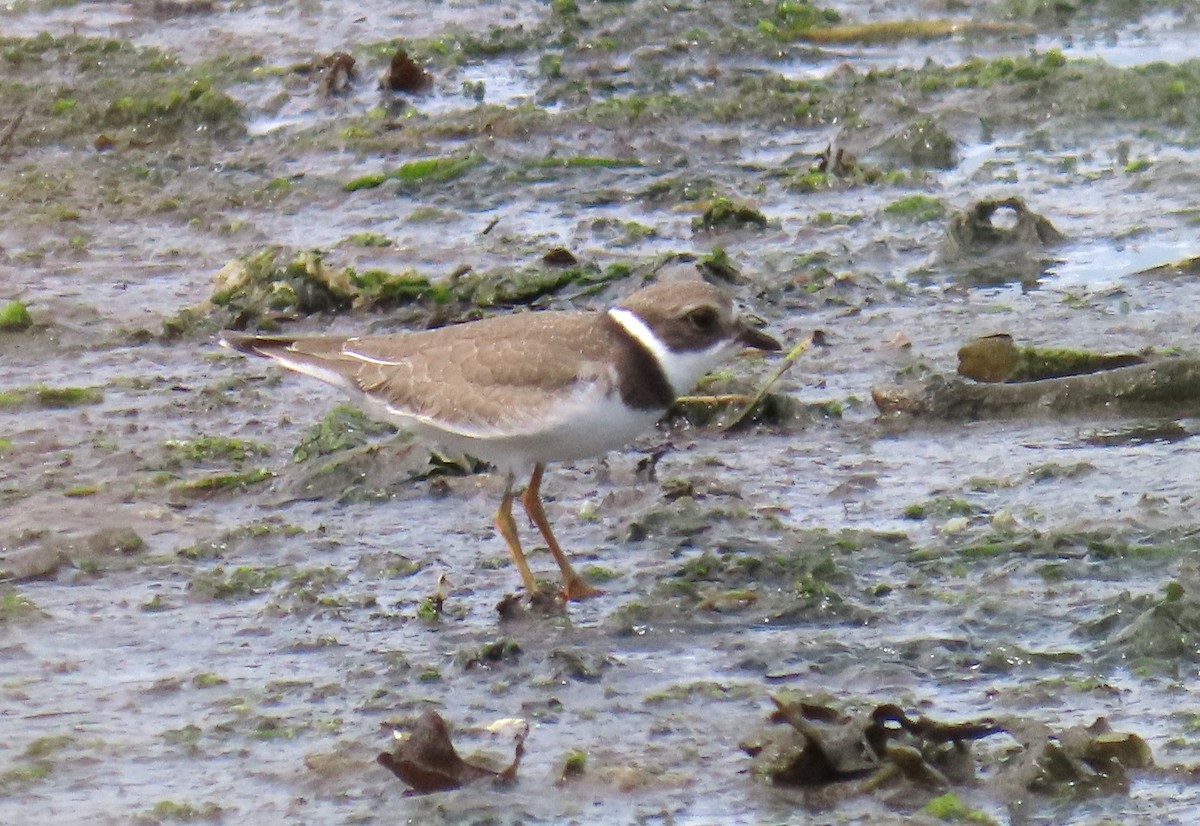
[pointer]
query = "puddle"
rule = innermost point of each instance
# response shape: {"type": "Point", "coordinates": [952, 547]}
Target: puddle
{"type": "Point", "coordinates": [1098, 265]}
{"type": "Point", "coordinates": [1163, 37]}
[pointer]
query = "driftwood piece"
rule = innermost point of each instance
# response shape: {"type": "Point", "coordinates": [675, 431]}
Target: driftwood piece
{"type": "Point", "coordinates": [989, 254]}
{"type": "Point", "coordinates": [997, 358]}
{"type": "Point", "coordinates": [1167, 387]}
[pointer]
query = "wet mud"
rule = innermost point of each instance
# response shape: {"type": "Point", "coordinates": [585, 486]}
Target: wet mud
{"type": "Point", "coordinates": [218, 604]}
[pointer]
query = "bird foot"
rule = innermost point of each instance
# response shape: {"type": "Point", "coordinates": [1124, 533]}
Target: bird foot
{"type": "Point", "coordinates": [537, 603]}
{"type": "Point", "coordinates": [576, 589]}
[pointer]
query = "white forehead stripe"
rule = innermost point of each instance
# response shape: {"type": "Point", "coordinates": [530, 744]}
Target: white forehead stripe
{"type": "Point", "coordinates": [682, 370]}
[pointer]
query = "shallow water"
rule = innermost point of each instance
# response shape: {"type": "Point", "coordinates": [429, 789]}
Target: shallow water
{"type": "Point", "coordinates": [271, 706]}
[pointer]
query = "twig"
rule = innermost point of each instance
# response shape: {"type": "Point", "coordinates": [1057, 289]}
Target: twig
{"type": "Point", "coordinates": [714, 401]}
{"type": "Point", "coordinates": [783, 367]}
{"type": "Point", "coordinates": [6, 135]}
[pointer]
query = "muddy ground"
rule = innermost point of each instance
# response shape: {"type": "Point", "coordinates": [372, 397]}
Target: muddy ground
{"type": "Point", "coordinates": [194, 626]}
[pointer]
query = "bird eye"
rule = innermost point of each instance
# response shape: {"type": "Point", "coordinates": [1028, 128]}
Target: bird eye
{"type": "Point", "coordinates": [703, 319]}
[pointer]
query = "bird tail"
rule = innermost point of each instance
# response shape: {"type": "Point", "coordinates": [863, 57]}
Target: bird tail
{"type": "Point", "coordinates": [252, 345]}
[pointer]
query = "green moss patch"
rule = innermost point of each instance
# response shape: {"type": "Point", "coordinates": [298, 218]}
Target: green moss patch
{"type": "Point", "coordinates": [380, 288]}
{"type": "Point", "coordinates": [248, 288]}
{"type": "Point", "coordinates": [950, 808]}
{"type": "Point", "coordinates": [16, 607]}
{"type": "Point", "coordinates": [587, 162]}
{"type": "Point", "coordinates": [243, 582]}
{"type": "Point", "coordinates": [369, 239]}
{"type": "Point", "coordinates": [918, 209]}
{"type": "Point", "coordinates": [343, 428]}
{"type": "Point", "coordinates": [14, 317]}
{"type": "Point", "coordinates": [425, 171]}
{"type": "Point", "coordinates": [107, 92]}
{"type": "Point", "coordinates": [724, 214]}
{"type": "Point", "coordinates": [794, 19]}
{"type": "Point", "coordinates": [251, 291]}
{"type": "Point", "coordinates": [174, 811]}
{"type": "Point", "coordinates": [50, 398]}
{"type": "Point", "coordinates": [205, 450]}
{"type": "Point", "coordinates": [222, 482]}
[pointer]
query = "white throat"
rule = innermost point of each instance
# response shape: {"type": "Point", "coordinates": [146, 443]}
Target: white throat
{"type": "Point", "coordinates": [682, 370]}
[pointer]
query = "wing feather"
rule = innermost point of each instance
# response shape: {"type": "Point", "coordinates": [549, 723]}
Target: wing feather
{"type": "Point", "coordinates": [508, 376]}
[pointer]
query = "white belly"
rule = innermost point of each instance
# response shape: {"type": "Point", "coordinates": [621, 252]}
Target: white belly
{"type": "Point", "coordinates": [591, 424]}
{"type": "Point", "coordinates": [591, 432]}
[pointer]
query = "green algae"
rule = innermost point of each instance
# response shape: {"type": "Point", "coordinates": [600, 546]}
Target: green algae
{"type": "Point", "coordinates": [242, 582]}
{"type": "Point", "coordinates": [223, 482]}
{"type": "Point", "coordinates": [249, 290]}
{"type": "Point", "coordinates": [506, 287]}
{"type": "Point", "coordinates": [50, 398]}
{"type": "Point", "coordinates": [242, 534]}
{"type": "Point", "coordinates": [941, 507]}
{"type": "Point", "coordinates": [209, 450]}
{"type": "Point", "coordinates": [369, 239]}
{"type": "Point", "coordinates": [380, 289]}
{"type": "Point", "coordinates": [725, 214]}
{"type": "Point", "coordinates": [460, 47]}
{"type": "Point", "coordinates": [892, 31]}
{"type": "Point", "coordinates": [174, 811]}
{"type": "Point", "coordinates": [48, 745]}
{"type": "Point", "coordinates": [793, 19]}
{"type": "Point", "coordinates": [1072, 90]}
{"type": "Point", "coordinates": [679, 190]}
{"type": "Point", "coordinates": [950, 808]}
{"type": "Point", "coordinates": [16, 607]}
{"type": "Point", "coordinates": [489, 654]}
{"type": "Point", "coordinates": [23, 775]}
{"type": "Point", "coordinates": [917, 208]}
{"type": "Point", "coordinates": [64, 397]}
{"type": "Point", "coordinates": [14, 317]}
{"type": "Point", "coordinates": [430, 610]}
{"type": "Point", "coordinates": [190, 105]}
{"type": "Point", "coordinates": [142, 92]}
{"type": "Point", "coordinates": [574, 764]}
{"type": "Point", "coordinates": [343, 428]}
{"type": "Point", "coordinates": [156, 604]}
{"type": "Point", "coordinates": [311, 590]}
{"type": "Point", "coordinates": [599, 573]}
{"type": "Point", "coordinates": [1035, 363]}
{"type": "Point", "coordinates": [305, 283]}
{"type": "Point", "coordinates": [587, 162]}
{"type": "Point", "coordinates": [34, 764]}
{"type": "Point", "coordinates": [704, 690]}
{"type": "Point", "coordinates": [425, 171]}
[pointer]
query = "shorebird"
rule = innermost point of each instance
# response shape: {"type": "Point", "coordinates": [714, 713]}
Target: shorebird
{"type": "Point", "coordinates": [525, 389]}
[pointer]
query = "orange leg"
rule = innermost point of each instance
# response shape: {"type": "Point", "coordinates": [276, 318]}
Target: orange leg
{"type": "Point", "coordinates": [574, 586]}
{"type": "Point", "coordinates": [508, 529]}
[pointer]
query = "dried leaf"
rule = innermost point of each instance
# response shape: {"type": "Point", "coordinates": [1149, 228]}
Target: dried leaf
{"type": "Point", "coordinates": [427, 761]}
{"type": "Point", "coordinates": [404, 75]}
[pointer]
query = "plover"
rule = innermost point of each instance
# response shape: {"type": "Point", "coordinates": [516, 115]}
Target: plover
{"type": "Point", "coordinates": [525, 389]}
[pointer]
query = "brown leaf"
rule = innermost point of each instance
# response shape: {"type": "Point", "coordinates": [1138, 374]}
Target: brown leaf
{"type": "Point", "coordinates": [428, 762]}
{"type": "Point", "coordinates": [560, 257]}
{"type": "Point", "coordinates": [338, 73]}
{"type": "Point", "coordinates": [823, 745]}
{"type": "Point", "coordinates": [404, 75]}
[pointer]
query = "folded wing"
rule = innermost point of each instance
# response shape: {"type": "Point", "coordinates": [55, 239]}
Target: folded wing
{"type": "Point", "coordinates": [491, 379]}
